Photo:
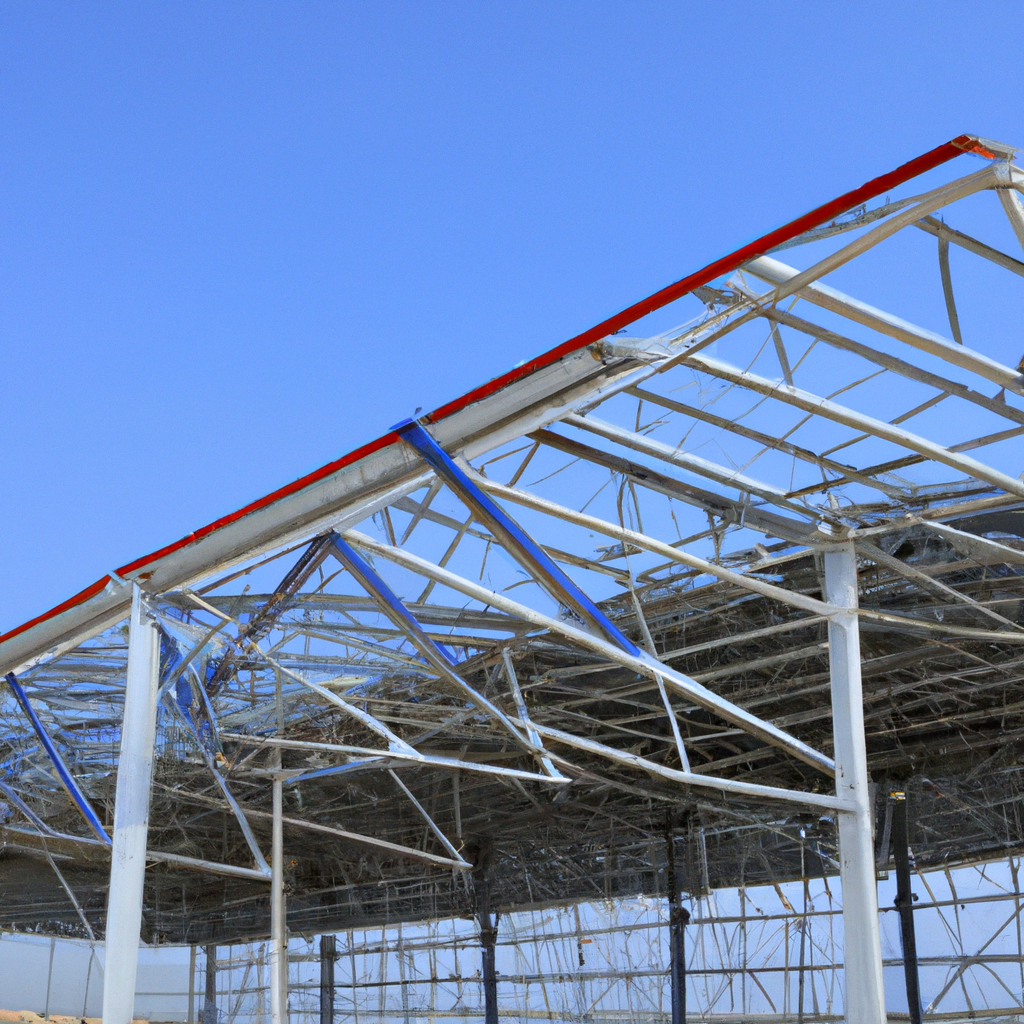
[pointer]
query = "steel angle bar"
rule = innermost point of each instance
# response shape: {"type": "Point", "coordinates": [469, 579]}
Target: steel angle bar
{"type": "Point", "coordinates": [925, 582]}
{"type": "Point", "coordinates": [830, 410]}
{"type": "Point", "coordinates": [24, 808]}
{"type": "Point", "coordinates": [690, 778]}
{"type": "Point", "coordinates": [236, 809]}
{"type": "Point", "coordinates": [175, 859]}
{"type": "Point", "coordinates": [431, 824]}
{"type": "Point", "coordinates": [437, 657]}
{"type": "Point", "coordinates": [371, 723]}
{"type": "Point", "coordinates": [927, 203]}
{"type": "Point", "coordinates": [383, 844]}
{"type": "Point", "coordinates": [687, 461]}
{"type": "Point", "coordinates": [521, 709]}
{"type": "Point", "coordinates": [68, 780]}
{"type": "Point", "coordinates": [1014, 211]}
{"type": "Point", "coordinates": [943, 231]}
{"type": "Point", "coordinates": [756, 517]}
{"type": "Point", "coordinates": [895, 364]}
{"type": "Point", "coordinates": [213, 867]}
{"type": "Point", "coordinates": [773, 271]}
{"type": "Point", "coordinates": [642, 662]}
{"type": "Point", "coordinates": [386, 757]}
{"type": "Point", "coordinates": [641, 540]}
{"type": "Point", "coordinates": [519, 544]}
{"type": "Point", "coordinates": [947, 290]}
{"type": "Point", "coordinates": [971, 544]}
{"type": "Point", "coordinates": [779, 444]}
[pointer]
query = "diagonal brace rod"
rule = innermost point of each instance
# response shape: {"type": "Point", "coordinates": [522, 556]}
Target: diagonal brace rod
{"type": "Point", "coordinates": [436, 656]}
{"type": "Point", "coordinates": [519, 544]}
{"type": "Point", "coordinates": [68, 780]}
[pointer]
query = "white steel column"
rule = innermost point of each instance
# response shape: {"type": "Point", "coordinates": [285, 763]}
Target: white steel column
{"type": "Point", "coordinates": [278, 929]}
{"type": "Point", "coordinates": [131, 816]}
{"type": "Point", "coordinates": [864, 996]}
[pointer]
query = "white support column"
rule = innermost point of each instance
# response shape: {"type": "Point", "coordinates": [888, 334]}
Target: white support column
{"type": "Point", "coordinates": [278, 929]}
{"type": "Point", "coordinates": [131, 816]}
{"type": "Point", "coordinates": [864, 995]}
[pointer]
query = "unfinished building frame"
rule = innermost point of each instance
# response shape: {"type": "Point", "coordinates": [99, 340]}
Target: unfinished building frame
{"type": "Point", "coordinates": [639, 616]}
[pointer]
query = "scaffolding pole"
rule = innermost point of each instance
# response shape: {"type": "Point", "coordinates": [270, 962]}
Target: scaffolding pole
{"type": "Point", "coordinates": [905, 903]}
{"type": "Point", "coordinates": [328, 956]}
{"type": "Point", "coordinates": [862, 949]}
{"type": "Point", "coordinates": [210, 990]}
{"type": "Point", "coordinates": [278, 930]}
{"type": "Point", "coordinates": [131, 816]}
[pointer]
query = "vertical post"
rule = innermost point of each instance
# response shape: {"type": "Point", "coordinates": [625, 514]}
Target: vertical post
{"type": "Point", "coordinates": [328, 955]}
{"type": "Point", "coordinates": [210, 993]}
{"type": "Point", "coordinates": [488, 940]}
{"type": "Point", "coordinates": [678, 918]}
{"type": "Point", "coordinates": [49, 977]}
{"type": "Point", "coordinates": [864, 995]}
{"type": "Point", "coordinates": [131, 816]}
{"type": "Point", "coordinates": [191, 985]}
{"type": "Point", "coordinates": [905, 903]}
{"type": "Point", "coordinates": [278, 931]}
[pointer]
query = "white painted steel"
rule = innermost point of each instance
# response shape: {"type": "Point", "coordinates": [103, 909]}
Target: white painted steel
{"type": "Point", "coordinates": [810, 402]}
{"type": "Point", "coordinates": [644, 664]}
{"type": "Point", "coordinates": [686, 460]}
{"type": "Point", "coordinates": [278, 927]}
{"type": "Point", "coordinates": [864, 997]}
{"type": "Point", "coordinates": [641, 540]}
{"type": "Point", "coordinates": [928, 203]}
{"type": "Point", "coordinates": [775, 272]}
{"type": "Point", "coordinates": [131, 816]}
{"type": "Point", "coordinates": [1014, 211]}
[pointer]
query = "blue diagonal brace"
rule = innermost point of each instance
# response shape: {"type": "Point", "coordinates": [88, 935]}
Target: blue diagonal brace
{"type": "Point", "coordinates": [68, 780]}
{"type": "Point", "coordinates": [391, 605]}
{"type": "Point", "coordinates": [436, 656]}
{"type": "Point", "coordinates": [512, 537]}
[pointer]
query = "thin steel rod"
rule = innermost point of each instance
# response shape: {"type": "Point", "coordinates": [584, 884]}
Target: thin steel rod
{"type": "Point", "coordinates": [643, 663]}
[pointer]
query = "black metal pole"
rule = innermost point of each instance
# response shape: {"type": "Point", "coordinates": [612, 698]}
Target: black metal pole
{"type": "Point", "coordinates": [678, 918]}
{"type": "Point", "coordinates": [328, 955]}
{"type": "Point", "coordinates": [905, 902]}
{"type": "Point", "coordinates": [210, 996]}
{"type": "Point", "coordinates": [488, 939]}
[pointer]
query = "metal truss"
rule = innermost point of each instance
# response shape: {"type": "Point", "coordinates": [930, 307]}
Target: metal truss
{"type": "Point", "coordinates": [723, 570]}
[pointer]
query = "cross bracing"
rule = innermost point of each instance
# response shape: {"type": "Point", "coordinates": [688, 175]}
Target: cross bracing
{"type": "Point", "coordinates": [599, 594]}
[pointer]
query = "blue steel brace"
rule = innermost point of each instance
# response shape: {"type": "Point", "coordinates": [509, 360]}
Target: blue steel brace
{"type": "Point", "coordinates": [69, 781]}
{"type": "Point", "coordinates": [436, 656]}
{"type": "Point", "coordinates": [390, 603]}
{"type": "Point", "coordinates": [519, 544]}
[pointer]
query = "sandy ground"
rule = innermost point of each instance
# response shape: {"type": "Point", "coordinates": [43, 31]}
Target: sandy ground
{"type": "Point", "coordinates": [28, 1017]}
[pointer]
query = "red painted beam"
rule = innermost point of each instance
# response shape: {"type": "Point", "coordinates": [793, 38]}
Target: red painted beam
{"type": "Point", "coordinates": [822, 215]}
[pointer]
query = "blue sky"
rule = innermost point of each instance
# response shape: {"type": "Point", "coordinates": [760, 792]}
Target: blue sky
{"type": "Point", "coordinates": [237, 240]}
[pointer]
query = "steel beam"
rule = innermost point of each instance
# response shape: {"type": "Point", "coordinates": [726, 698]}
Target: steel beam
{"type": "Point", "coordinates": [776, 272]}
{"type": "Point", "coordinates": [862, 950]}
{"type": "Point", "coordinates": [488, 939]}
{"type": "Point", "coordinates": [68, 781]}
{"type": "Point", "coordinates": [131, 815]}
{"type": "Point", "coordinates": [210, 1012]}
{"type": "Point", "coordinates": [436, 656]}
{"type": "Point", "coordinates": [328, 956]}
{"type": "Point", "coordinates": [905, 903]}
{"type": "Point", "coordinates": [642, 662]}
{"type": "Point", "coordinates": [278, 925]}
{"type": "Point", "coordinates": [512, 537]}
{"type": "Point", "coordinates": [678, 919]}
{"type": "Point", "coordinates": [827, 409]}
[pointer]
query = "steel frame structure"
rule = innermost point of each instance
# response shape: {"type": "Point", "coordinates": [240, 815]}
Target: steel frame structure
{"type": "Point", "coordinates": [437, 674]}
{"type": "Point", "coordinates": [766, 953]}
